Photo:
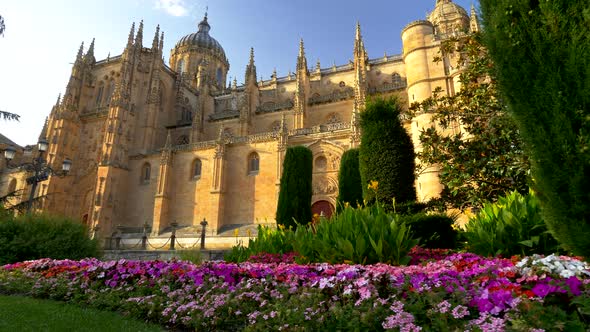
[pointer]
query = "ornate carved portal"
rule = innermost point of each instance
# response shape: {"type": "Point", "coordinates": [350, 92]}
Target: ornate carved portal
{"type": "Point", "coordinates": [326, 161]}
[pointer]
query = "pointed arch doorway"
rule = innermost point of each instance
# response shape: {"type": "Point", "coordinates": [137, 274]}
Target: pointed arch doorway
{"type": "Point", "coordinates": [324, 207]}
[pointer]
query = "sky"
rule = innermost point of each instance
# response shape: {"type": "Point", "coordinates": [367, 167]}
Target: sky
{"type": "Point", "coordinates": [42, 38]}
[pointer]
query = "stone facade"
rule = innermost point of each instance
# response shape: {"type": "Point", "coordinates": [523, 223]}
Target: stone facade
{"type": "Point", "coordinates": [156, 143]}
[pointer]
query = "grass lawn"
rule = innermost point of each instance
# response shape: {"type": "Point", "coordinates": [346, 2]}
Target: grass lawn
{"type": "Point", "coordinates": [28, 314]}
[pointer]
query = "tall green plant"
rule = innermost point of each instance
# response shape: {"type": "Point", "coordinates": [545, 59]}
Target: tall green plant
{"type": "Point", "coordinates": [295, 190]}
{"type": "Point", "coordinates": [485, 159]}
{"type": "Point", "coordinates": [512, 226]}
{"type": "Point", "coordinates": [542, 54]}
{"type": "Point", "coordinates": [268, 240]}
{"type": "Point", "coordinates": [350, 188]}
{"type": "Point", "coordinates": [386, 153]}
{"type": "Point", "coordinates": [362, 236]}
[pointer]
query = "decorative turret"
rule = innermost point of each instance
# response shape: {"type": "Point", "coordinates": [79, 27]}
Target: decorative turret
{"type": "Point", "coordinates": [473, 20]}
{"type": "Point", "coordinates": [360, 70]}
{"type": "Point", "coordinates": [162, 42]}
{"type": "Point", "coordinates": [80, 52]}
{"type": "Point", "coordinates": [89, 58]}
{"type": "Point", "coordinates": [130, 37]}
{"type": "Point", "coordinates": [78, 63]}
{"type": "Point", "coordinates": [301, 88]}
{"type": "Point", "coordinates": [250, 77]}
{"type": "Point", "coordinates": [301, 59]}
{"type": "Point", "coordinates": [43, 134]}
{"type": "Point", "coordinates": [156, 42]}
{"type": "Point", "coordinates": [139, 37]}
{"type": "Point", "coordinates": [55, 107]}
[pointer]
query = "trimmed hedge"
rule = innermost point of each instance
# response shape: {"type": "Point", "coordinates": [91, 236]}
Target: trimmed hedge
{"type": "Point", "coordinates": [295, 190]}
{"type": "Point", "coordinates": [30, 237]}
{"type": "Point", "coordinates": [350, 188]}
{"type": "Point", "coordinates": [386, 154]}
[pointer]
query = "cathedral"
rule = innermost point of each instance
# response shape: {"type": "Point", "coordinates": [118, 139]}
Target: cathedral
{"type": "Point", "coordinates": [156, 143]}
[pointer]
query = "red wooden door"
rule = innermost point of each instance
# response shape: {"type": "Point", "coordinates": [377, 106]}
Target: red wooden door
{"type": "Point", "coordinates": [322, 206]}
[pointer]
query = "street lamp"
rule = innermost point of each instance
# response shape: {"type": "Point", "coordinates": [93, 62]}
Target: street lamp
{"type": "Point", "coordinates": [38, 167]}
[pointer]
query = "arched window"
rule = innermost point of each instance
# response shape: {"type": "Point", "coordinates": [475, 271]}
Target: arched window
{"type": "Point", "coordinates": [110, 92]}
{"type": "Point", "coordinates": [180, 66]}
{"type": "Point", "coordinates": [146, 171]}
{"type": "Point", "coordinates": [12, 186]}
{"type": "Point", "coordinates": [253, 163]}
{"type": "Point", "coordinates": [219, 75]}
{"type": "Point", "coordinates": [99, 94]}
{"type": "Point", "coordinates": [196, 170]}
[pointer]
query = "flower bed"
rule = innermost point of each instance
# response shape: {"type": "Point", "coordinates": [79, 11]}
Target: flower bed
{"type": "Point", "coordinates": [454, 292]}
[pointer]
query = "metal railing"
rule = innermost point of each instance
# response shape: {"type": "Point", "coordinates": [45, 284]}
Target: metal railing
{"type": "Point", "coordinates": [115, 242]}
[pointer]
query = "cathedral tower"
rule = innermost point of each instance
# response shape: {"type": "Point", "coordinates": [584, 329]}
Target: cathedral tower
{"type": "Point", "coordinates": [421, 44]}
{"type": "Point", "coordinates": [197, 49]}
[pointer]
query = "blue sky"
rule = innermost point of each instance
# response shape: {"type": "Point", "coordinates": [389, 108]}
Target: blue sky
{"type": "Point", "coordinates": [42, 38]}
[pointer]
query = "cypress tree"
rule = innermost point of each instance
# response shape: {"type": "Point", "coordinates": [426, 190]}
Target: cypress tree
{"type": "Point", "coordinates": [295, 189]}
{"type": "Point", "coordinates": [541, 50]}
{"type": "Point", "coordinates": [350, 189]}
{"type": "Point", "coordinates": [386, 154]}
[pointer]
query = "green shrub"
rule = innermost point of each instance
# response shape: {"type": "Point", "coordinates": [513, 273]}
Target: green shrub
{"type": "Point", "coordinates": [350, 188]}
{"type": "Point", "coordinates": [409, 208]}
{"type": "Point", "coordinates": [386, 154]}
{"type": "Point", "coordinates": [192, 255]}
{"type": "Point", "coordinates": [435, 231]}
{"type": "Point", "coordinates": [237, 254]}
{"type": "Point", "coordinates": [295, 190]}
{"type": "Point", "coordinates": [541, 50]}
{"type": "Point", "coordinates": [42, 236]}
{"type": "Point", "coordinates": [269, 240]}
{"type": "Point", "coordinates": [512, 226]}
{"type": "Point", "coordinates": [362, 236]}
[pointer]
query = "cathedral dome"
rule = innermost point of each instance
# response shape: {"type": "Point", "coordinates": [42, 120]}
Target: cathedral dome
{"type": "Point", "coordinates": [202, 39]}
{"type": "Point", "coordinates": [446, 13]}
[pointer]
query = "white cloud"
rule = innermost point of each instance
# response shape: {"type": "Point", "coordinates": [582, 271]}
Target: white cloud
{"type": "Point", "coordinates": [172, 7]}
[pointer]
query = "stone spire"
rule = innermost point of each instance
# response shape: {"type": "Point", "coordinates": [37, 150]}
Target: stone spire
{"type": "Point", "coordinates": [90, 51]}
{"type": "Point", "coordinates": [131, 34]}
{"type": "Point", "coordinates": [360, 70]}
{"type": "Point", "coordinates": [301, 60]}
{"type": "Point", "coordinates": [301, 90]}
{"type": "Point", "coordinates": [156, 42]}
{"type": "Point", "coordinates": [234, 85]}
{"type": "Point", "coordinates": [251, 69]}
{"type": "Point", "coordinates": [43, 134]}
{"type": "Point", "coordinates": [359, 45]}
{"type": "Point", "coordinates": [162, 42]}
{"type": "Point", "coordinates": [318, 67]}
{"type": "Point", "coordinates": [80, 52]}
{"type": "Point", "coordinates": [139, 37]}
{"type": "Point", "coordinates": [89, 57]}
{"type": "Point", "coordinates": [473, 20]}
